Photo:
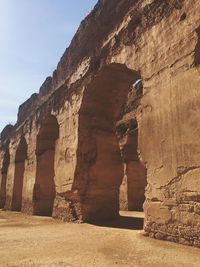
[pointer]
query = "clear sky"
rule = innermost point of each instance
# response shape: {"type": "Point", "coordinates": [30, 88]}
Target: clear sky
{"type": "Point", "coordinates": [33, 36]}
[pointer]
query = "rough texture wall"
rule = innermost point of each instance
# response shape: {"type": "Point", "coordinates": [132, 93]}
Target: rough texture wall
{"type": "Point", "coordinates": [117, 44]}
{"type": "Point", "coordinates": [132, 189]}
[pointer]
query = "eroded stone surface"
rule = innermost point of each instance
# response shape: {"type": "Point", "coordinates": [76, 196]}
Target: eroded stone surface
{"type": "Point", "coordinates": [117, 44]}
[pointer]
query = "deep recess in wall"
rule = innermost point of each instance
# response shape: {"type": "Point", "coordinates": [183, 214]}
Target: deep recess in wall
{"type": "Point", "coordinates": [20, 158]}
{"type": "Point", "coordinates": [4, 171]}
{"type": "Point", "coordinates": [44, 188]}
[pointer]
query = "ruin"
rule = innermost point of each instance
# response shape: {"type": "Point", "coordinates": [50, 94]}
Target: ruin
{"type": "Point", "coordinates": [118, 119]}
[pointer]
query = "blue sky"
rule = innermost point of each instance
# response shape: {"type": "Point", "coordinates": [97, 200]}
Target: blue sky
{"type": "Point", "coordinates": [33, 36]}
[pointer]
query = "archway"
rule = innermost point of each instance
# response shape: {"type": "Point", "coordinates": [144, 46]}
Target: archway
{"type": "Point", "coordinates": [44, 188]}
{"type": "Point", "coordinates": [4, 171]}
{"type": "Point", "coordinates": [100, 167]}
{"type": "Point", "coordinates": [20, 159]}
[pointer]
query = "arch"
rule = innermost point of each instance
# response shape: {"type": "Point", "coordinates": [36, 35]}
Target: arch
{"type": "Point", "coordinates": [20, 159]}
{"type": "Point", "coordinates": [44, 188]}
{"type": "Point", "coordinates": [4, 171]}
{"type": "Point", "coordinates": [100, 167]}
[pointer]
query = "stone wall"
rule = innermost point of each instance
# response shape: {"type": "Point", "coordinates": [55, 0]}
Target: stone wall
{"type": "Point", "coordinates": [155, 141]}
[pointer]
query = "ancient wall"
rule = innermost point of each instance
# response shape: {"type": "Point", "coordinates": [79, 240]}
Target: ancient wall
{"type": "Point", "coordinates": [101, 137]}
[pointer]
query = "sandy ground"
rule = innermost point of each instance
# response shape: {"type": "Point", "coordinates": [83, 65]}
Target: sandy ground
{"type": "Point", "coordinates": [39, 241]}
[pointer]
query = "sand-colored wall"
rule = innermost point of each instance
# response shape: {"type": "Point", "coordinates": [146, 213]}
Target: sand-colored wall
{"type": "Point", "coordinates": [159, 42]}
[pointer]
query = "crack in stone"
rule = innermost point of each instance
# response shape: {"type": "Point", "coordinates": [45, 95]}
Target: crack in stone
{"type": "Point", "coordinates": [177, 178]}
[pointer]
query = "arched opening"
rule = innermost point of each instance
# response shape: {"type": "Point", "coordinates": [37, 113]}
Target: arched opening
{"type": "Point", "coordinates": [20, 159]}
{"type": "Point", "coordinates": [4, 171]}
{"type": "Point", "coordinates": [44, 188]}
{"type": "Point", "coordinates": [100, 165]}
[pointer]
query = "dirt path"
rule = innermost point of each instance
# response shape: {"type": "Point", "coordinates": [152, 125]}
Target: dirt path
{"type": "Point", "coordinates": [35, 241]}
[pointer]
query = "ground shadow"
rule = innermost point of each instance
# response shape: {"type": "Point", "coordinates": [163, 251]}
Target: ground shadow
{"type": "Point", "coordinates": [122, 222]}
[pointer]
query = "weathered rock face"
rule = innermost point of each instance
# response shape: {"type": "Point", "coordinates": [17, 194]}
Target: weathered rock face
{"type": "Point", "coordinates": [132, 189]}
{"type": "Point", "coordinates": [89, 136]}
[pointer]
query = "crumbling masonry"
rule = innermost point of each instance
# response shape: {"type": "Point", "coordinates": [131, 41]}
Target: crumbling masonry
{"type": "Point", "coordinates": [117, 124]}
